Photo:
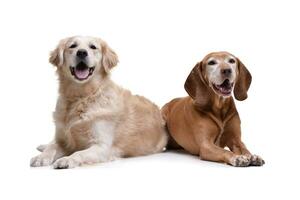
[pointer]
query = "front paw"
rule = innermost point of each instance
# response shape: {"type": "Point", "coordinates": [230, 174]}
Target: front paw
{"type": "Point", "coordinates": [256, 160]}
{"type": "Point", "coordinates": [65, 163]}
{"type": "Point", "coordinates": [41, 160]}
{"type": "Point", "coordinates": [240, 161]}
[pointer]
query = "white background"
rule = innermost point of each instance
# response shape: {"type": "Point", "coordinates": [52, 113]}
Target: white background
{"type": "Point", "coordinates": [158, 43]}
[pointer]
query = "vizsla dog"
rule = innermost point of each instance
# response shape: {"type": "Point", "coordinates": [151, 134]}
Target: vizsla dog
{"type": "Point", "coordinates": [206, 121]}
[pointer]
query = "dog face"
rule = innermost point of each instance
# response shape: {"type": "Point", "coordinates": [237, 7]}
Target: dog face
{"type": "Point", "coordinates": [218, 73]}
{"type": "Point", "coordinates": [80, 58]}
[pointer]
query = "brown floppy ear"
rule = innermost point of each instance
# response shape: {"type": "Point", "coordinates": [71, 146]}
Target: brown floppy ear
{"type": "Point", "coordinates": [109, 57]}
{"type": "Point", "coordinates": [196, 87]}
{"type": "Point", "coordinates": [243, 82]}
{"type": "Point", "coordinates": [57, 55]}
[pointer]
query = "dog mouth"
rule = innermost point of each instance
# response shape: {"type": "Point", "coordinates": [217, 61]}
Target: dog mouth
{"type": "Point", "coordinates": [225, 88]}
{"type": "Point", "coordinates": [81, 71]}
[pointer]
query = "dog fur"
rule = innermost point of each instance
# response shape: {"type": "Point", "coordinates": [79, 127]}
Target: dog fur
{"type": "Point", "coordinates": [207, 120]}
{"type": "Point", "coordinates": [96, 120]}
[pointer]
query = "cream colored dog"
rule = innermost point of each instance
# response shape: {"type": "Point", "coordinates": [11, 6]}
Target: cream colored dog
{"type": "Point", "coordinates": [96, 120]}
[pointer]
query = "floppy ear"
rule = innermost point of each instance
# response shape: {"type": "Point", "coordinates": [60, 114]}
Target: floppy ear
{"type": "Point", "coordinates": [57, 55]}
{"type": "Point", "coordinates": [243, 82]}
{"type": "Point", "coordinates": [109, 57]}
{"type": "Point", "coordinates": [196, 86]}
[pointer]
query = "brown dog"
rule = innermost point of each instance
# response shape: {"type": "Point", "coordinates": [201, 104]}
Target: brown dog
{"type": "Point", "coordinates": [207, 121]}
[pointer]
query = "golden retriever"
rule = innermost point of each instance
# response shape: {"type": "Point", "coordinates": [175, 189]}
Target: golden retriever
{"type": "Point", "coordinates": [96, 120]}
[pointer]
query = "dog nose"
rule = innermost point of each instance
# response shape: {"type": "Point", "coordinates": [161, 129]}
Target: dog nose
{"type": "Point", "coordinates": [81, 53]}
{"type": "Point", "coordinates": [226, 72]}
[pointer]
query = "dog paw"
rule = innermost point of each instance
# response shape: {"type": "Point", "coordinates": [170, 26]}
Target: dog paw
{"type": "Point", "coordinates": [256, 160]}
{"type": "Point", "coordinates": [65, 163]}
{"type": "Point", "coordinates": [42, 147]}
{"type": "Point", "coordinates": [41, 160]}
{"type": "Point", "coordinates": [240, 161]}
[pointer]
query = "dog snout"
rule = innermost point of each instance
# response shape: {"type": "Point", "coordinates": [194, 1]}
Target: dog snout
{"type": "Point", "coordinates": [226, 72]}
{"type": "Point", "coordinates": [82, 53]}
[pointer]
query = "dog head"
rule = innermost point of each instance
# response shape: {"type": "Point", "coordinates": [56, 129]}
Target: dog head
{"type": "Point", "coordinates": [79, 58]}
{"type": "Point", "coordinates": [219, 73]}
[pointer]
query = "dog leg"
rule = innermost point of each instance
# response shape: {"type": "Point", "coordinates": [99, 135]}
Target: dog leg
{"type": "Point", "coordinates": [50, 153]}
{"type": "Point", "coordinates": [92, 155]}
{"type": "Point", "coordinates": [211, 152]}
{"type": "Point", "coordinates": [41, 147]}
{"type": "Point", "coordinates": [240, 148]}
{"type": "Point", "coordinates": [232, 138]}
{"type": "Point", "coordinates": [101, 151]}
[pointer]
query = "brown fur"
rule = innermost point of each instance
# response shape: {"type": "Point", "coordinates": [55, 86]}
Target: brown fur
{"type": "Point", "coordinates": [204, 123]}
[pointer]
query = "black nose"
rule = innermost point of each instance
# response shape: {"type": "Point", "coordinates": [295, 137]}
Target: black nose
{"type": "Point", "coordinates": [81, 53]}
{"type": "Point", "coordinates": [226, 72]}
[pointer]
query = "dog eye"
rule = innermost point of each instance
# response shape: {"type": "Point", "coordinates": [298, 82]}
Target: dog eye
{"type": "Point", "coordinates": [93, 46]}
{"type": "Point", "coordinates": [73, 46]}
{"type": "Point", "coordinates": [231, 60]}
{"type": "Point", "coordinates": [212, 62]}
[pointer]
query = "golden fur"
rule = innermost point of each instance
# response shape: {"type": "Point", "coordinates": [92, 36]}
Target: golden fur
{"type": "Point", "coordinates": [97, 117]}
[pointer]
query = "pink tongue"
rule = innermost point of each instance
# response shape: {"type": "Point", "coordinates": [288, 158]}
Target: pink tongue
{"type": "Point", "coordinates": [82, 74]}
